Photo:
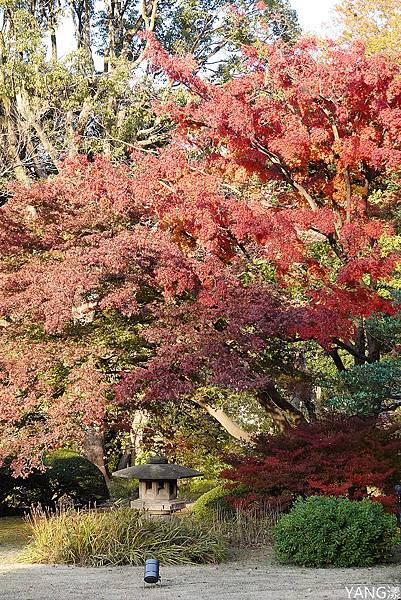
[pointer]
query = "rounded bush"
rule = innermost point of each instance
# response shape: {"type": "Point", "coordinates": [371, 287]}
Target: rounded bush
{"type": "Point", "coordinates": [326, 531]}
{"type": "Point", "coordinates": [214, 503]}
{"type": "Point", "coordinates": [67, 475]}
{"type": "Point", "coordinates": [123, 489]}
{"type": "Point", "coordinates": [72, 475]}
{"type": "Point", "coordinates": [193, 489]}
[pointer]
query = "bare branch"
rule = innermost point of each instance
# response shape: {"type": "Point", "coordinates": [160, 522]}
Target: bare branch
{"type": "Point", "coordinates": [297, 186]}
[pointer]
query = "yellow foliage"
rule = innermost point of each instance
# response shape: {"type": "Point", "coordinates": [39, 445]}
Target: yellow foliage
{"type": "Point", "coordinates": [376, 22]}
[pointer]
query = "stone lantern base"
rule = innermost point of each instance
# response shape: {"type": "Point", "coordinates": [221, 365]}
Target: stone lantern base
{"type": "Point", "coordinates": [158, 507]}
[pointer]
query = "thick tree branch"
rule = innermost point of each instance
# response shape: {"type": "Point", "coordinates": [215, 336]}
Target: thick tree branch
{"type": "Point", "coordinates": [337, 359]}
{"type": "Point", "coordinates": [391, 407]}
{"type": "Point", "coordinates": [347, 176]}
{"type": "Point", "coordinates": [282, 412]}
{"type": "Point", "coordinates": [351, 349]}
{"type": "Point", "coordinates": [225, 421]}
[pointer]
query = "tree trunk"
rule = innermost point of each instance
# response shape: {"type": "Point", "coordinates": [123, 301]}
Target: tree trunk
{"type": "Point", "coordinates": [93, 448]}
{"type": "Point", "coordinates": [47, 145]}
{"type": "Point", "coordinates": [109, 53]}
{"type": "Point", "coordinates": [38, 168]}
{"type": "Point", "coordinates": [81, 14]}
{"type": "Point", "coordinates": [87, 107]}
{"type": "Point", "coordinates": [53, 42]}
{"type": "Point", "coordinates": [130, 455]}
{"type": "Point", "coordinates": [282, 413]}
{"type": "Point", "coordinates": [13, 145]}
{"type": "Point", "coordinates": [69, 138]}
{"type": "Point", "coordinates": [27, 114]}
{"type": "Point", "coordinates": [373, 348]}
{"type": "Point", "coordinates": [360, 344]}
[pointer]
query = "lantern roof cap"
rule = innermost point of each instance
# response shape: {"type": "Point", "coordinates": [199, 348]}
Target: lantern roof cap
{"type": "Point", "coordinates": [156, 468]}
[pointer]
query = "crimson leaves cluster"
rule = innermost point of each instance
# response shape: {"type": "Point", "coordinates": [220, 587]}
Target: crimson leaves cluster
{"type": "Point", "coordinates": [335, 457]}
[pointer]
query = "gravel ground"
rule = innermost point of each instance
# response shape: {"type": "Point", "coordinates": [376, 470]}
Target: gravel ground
{"type": "Point", "coordinates": [239, 579]}
{"type": "Point", "coordinates": [234, 581]}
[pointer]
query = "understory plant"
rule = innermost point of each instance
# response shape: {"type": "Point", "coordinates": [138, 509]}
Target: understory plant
{"type": "Point", "coordinates": [326, 531]}
{"type": "Point", "coordinates": [247, 528]}
{"type": "Point", "coordinates": [67, 476]}
{"type": "Point", "coordinates": [213, 502]}
{"type": "Point", "coordinates": [192, 490]}
{"type": "Point", "coordinates": [335, 456]}
{"type": "Point", "coordinates": [121, 536]}
{"type": "Point", "coordinates": [242, 524]}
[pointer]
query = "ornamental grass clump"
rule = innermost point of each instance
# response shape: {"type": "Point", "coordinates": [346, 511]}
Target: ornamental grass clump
{"type": "Point", "coordinates": [121, 536]}
{"type": "Point", "coordinates": [325, 531]}
{"type": "Point", "coordinates": [247, 528]}
{"type": "Point", "coordinates": [242, 524]}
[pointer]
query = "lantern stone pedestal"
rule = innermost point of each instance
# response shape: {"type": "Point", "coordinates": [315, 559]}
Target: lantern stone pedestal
{"type": "Point", "coordinates": [158, 485]}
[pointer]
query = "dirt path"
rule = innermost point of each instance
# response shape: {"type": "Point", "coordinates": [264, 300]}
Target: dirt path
{"type": "Point", "coordinates": [231, 581]}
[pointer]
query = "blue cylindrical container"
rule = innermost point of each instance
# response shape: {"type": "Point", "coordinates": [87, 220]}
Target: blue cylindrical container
{"type": "Point", "coordinates": [151, 571]}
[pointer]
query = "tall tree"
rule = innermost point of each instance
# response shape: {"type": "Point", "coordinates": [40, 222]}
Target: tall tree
{"type": "Point", "coordinates": [376, 22]}
{"type": "Point", "coordinates": [267, 224]}
{"type": "Point", "coordinates": [54, 107]}
{"type": "Point", "coordinates": [323, 193]}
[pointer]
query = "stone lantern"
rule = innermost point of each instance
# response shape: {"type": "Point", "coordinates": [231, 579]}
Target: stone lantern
{"type": "Point", "coordinates": [157, 484]}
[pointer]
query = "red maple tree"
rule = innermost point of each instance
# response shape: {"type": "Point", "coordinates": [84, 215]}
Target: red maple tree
{"type": "Point", "coordinates": [291, 166]}
{"type": "Point", "coordinates": [295, 164]}
{"type": "Point", "coordinates": [336, 456]}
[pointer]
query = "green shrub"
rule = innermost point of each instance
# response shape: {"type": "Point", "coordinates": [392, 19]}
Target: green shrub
{"type": "Point", "coordinates": [7, 486]}
{"type": "Point", "coordinates": [214, 504]}
{"type": "Point", "coordinates": [123, 489]}
{"type": "Point", "coordinates": [67, 474]}
{"type": "Point", "coordinates": [193, 489]}
{"type": "Point", "coordinates": [121, 536]}
{"type": "Point", "coordinates": [72, 475]}
{"type": "Point", "coordinates": [326, 531]}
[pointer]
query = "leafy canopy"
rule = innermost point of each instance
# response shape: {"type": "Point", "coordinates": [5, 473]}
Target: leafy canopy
{"type": "Point", "coordinates": [376, 22]}
{"type": "Point", "coordinates": [269, 217]}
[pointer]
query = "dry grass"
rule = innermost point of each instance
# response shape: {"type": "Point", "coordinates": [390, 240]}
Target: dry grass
{"type": "Point", "coordinates": [120, 536]}
{"type": "Point", "coordinates": [123, 536]}
{"type": "Point", "coordinates": [250, 528]}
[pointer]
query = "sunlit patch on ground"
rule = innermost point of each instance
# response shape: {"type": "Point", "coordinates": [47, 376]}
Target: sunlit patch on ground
{"type": "Point", "coordinates": [14, 535]}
